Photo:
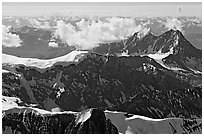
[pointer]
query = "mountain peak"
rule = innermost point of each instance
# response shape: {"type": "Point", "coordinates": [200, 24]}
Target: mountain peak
{"type": "Point", "coordinates": [141, 34]}
{"type": "Point", "coordinates": [174, 32]}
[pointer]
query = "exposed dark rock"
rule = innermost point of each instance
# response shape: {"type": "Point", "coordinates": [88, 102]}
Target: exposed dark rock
{"type": "Point", "coordinates": [184, 54]}
{"type": "Point", "coordinates": [107, 82]}
{"type": "Point", "coordinates": [29, 121]}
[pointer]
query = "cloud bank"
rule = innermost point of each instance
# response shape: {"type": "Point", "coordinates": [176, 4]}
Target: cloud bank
{"type": "Point", "coordinates": [87, 34]}
{"type": "Point", "coordinates": [174, 24]}
{"type": "Point", "coordinates": [38, 24]}
{"type": "Point", "coordinates": [9, 39]}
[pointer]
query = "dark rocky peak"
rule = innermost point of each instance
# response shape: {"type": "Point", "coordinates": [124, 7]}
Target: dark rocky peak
{"type": "Point", "coordinates": [92, 121]}
{"type": "Point", "coordinates": [170, 34]}
{"type": "Point", "coordinates": [138, 42]}
{"type": "Point", "coordinates": [132, 38]}
{"type": "Point", "coordinates": [175, 38]}
{"type": "Point", "coordinates": [171, 40]}
{"type": "Point", "coordinates": [138, 36]}
{"type": "Point", "coordinates": [30, 121]}
{"type": "Point", "coordinates": [168, 41]}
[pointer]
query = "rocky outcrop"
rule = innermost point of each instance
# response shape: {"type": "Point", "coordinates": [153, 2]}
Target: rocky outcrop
{"type": "Point", "coordinates": [36, 121]}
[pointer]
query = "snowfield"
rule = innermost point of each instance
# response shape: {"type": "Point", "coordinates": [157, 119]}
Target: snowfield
{"type": "Point", "coordinates": [144, 125]}
{"type": "Point", "coordinates": [159, 56]}
{"type": "Point", "coordinates": [40, 63]}
{"type": "Point", "coordinates": [9, 102]}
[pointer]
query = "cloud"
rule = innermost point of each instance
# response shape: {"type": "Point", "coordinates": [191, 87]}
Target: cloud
{"type": "Point", "coordinates": [53, 45]}
{"type": "Point", "coordinates": [9, 39]}
{"type": "Point", "coordinates": [143, 32]}
{"type": "Point", "coordinates": [39, 24]}
{"type": "Point", "coordinates": [174, 24]}
{"type": "Point", "coordinates": [87, 34]}
{"type": "Point", "coordinates": [18, 22]}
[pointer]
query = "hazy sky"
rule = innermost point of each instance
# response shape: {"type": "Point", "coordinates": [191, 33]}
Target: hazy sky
{"type": "Point", "coordinates": [148, 9]}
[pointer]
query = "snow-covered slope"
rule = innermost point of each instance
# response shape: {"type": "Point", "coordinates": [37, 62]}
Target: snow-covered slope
{"type": "Point", "coordinates": [159, 56]}
{"type": "Point", "coordinates": [12, 60]}
{"type": "Point", "coordinates": [9, 102]}
{"type": "Point", "coordinates": [143, 125]}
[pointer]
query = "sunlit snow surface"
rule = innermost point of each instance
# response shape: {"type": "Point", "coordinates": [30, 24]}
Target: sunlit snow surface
{"type": "Point", "coordinates": [40, 63]}
{"type": "Point", "coordinates": [159, 56]}
{"type": "Point", "coordinates": [137, 124]}
{"type": "Point", "coordinates": [5, 71]}
{"type": "Point", "coordinates": [9, 102]}
{"type": "Point", "coordinates": [83, 116]}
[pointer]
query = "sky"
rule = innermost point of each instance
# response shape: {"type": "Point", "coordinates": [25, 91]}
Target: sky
{"type": "Point", "coordinates": [126, 9]}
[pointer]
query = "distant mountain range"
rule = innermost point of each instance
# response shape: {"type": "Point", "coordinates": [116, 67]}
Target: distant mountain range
{"type": "Point", "coordinates": [178, 51]}
{"type": "Point", "coordinates": [36, 37]}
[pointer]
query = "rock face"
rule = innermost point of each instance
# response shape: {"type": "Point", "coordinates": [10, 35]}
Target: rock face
{"type": "Point", "coordinates": [183, 53]}
{"type": "Point", "coordinates": [111, 82]}
{"type": "Point", "coordinates": [26, 120]}
{"type": "Point", "coordinates": [30, 121]}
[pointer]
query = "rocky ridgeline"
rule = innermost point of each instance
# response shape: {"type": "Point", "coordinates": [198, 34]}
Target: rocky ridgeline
{"type": "Point", "coordinates": [29, 121]}
{"type": "Point", "coordinates": [92, 121]}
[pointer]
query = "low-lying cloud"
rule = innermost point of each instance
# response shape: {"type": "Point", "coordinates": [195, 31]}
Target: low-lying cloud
{"type": "Point", "coordinates": [87, 34]}
{"type": "Point", "coordinates": [9, 39]}
{"type": "Point", "coordinates": [174, 24]}
{"type": "Point", "coordinates": [39, 24]}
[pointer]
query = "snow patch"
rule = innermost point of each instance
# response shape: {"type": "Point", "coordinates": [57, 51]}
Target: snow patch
{"type": "Point", "coordinates": [170, 68]}
{"type": "Point", "coordinates": [5, 71]}
{"type": "Point", "coordinates": [125, 53]}
{"type": "Point", "coordinates": [83, 116]}
{"type": "Point", "coordinates": [143, 117]}
{"type": "Point", "coordinates": [54, 85]}
{"type": "Point", "coordinates": [40, 63]}
{"type": "Point", "coordinates": [195, 71]}
{"type": "Point", "coordinates": [9, 102]}
{"type": "Point", "coordinates": [159, 55]}
{"type": "Point", "coordinates": [53, 44]}
{"type": "Point", "coordinates": [60, 92]}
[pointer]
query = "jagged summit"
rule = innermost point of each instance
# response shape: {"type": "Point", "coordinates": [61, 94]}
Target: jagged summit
{"type": "Point", "coordinates": [140, 34]}
{"type": "Point", "coordinates": [178, 50]}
